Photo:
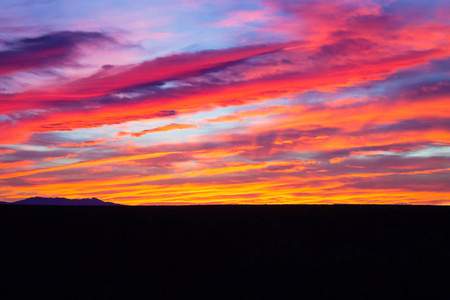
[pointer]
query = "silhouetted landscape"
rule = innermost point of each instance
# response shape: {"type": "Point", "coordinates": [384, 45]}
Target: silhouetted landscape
{"type": "Point", "coordinates": [226, 252]}
{"type": "Point", "coordinates": [63, 201]}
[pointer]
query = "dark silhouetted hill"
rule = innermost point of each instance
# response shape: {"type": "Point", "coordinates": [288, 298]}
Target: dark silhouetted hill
{"type": "Point", "coordinates": [65, 202]}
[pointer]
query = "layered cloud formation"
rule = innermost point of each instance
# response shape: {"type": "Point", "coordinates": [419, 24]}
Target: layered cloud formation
{"type": "Point", "coordinates": [261, 102]}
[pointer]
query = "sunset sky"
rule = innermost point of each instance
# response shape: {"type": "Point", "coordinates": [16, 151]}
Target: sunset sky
{"type": "Point", "coordinates": [226, 102]}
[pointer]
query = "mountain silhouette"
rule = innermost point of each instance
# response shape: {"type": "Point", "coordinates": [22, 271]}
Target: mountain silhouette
{"type": "Point", "coordinates": [65, 202]}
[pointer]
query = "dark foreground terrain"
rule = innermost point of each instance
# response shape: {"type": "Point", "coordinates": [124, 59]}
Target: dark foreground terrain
{"type": "Point", "coordinates": [225, 252]}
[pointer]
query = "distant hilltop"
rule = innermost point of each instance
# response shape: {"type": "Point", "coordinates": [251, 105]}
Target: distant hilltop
{"type": "Point", "coordinates": [63, 201]}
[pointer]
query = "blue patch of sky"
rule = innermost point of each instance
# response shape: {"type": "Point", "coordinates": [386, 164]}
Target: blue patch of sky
{"type": "Point", "coordinates": [88, 134]}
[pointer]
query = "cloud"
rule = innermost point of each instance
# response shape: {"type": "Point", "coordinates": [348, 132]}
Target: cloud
{"type": "Point", "coordinates": [7, 151]}
{"type": "Point", "coordinates": [15, 164]}
{"type": "Point", "coordinates": [83, 164]}
{"type": "Point", "coordinates": [61, 157]}
{"type": "Point", "coordinates": [99, 99]}
{"type": "Point", "coordinates": [50, 50]}
{"type": "Point", "coordinates": [85, 144]}
{"type": "Point", "coordinates": [169, 68]}
{"type": "Point", "coordinates": [337, 160]}
{"type": "Point", "coordinates": [242, 115]}
{"type": "Point", "coordinates": [242, 17]}
{"type": "Point", "coordinates": [173, 126]}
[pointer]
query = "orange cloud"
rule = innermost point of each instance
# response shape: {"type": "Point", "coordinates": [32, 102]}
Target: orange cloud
{"type": "Point", "coordinates": [85, 144]}
{"type": "Point", "coordinates": [221, 153]}
{"type": "Point", "coordinates": [173, 126]}
{"type": "Point", "coordinates": [338, 160]}
{"type": "Point", "coordinates": [260, 112]}
{"type": "Point", "coordinates": [84, 164]}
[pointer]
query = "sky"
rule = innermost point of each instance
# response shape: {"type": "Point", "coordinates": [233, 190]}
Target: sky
{"type": "Point", "coordinates": [182, 102]}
